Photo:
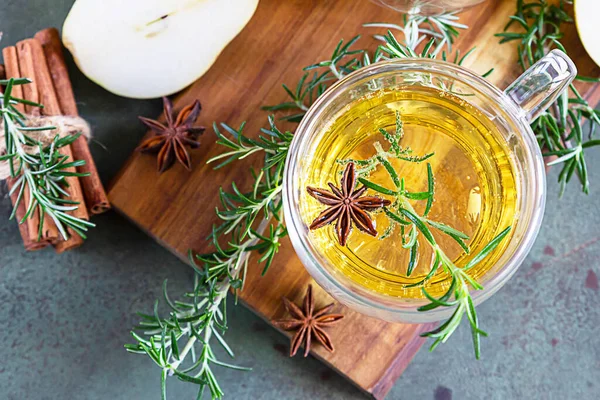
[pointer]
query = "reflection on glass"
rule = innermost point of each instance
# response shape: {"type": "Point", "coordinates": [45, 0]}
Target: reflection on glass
{"type": "Point", "coordinates": [427, 7]}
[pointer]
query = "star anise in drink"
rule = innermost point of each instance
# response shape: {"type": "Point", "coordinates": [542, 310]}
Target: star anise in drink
{"type": "Point", "coordinates": [308, 323]}
{"type": "Point", "coordinates": [346, 206]}
{"type": "Point", "coordinates": [170, 139]}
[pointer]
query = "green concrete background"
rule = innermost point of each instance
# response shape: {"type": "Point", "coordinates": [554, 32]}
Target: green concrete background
{"type": "Point", "coordinates": [64, 319]}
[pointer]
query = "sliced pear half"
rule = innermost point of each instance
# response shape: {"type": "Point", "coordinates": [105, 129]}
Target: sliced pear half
{"type": "Point", "coordinates": [588, 27]}
{"type": "Point", "coordinates": [151, 48]}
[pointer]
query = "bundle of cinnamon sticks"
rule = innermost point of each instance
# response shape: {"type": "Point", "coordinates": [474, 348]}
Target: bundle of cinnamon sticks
{"type": "Point", "coordinates": [41, 60]}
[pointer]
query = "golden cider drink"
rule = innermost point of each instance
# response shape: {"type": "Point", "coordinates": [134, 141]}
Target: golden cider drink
{"type": "Point", "coordinates": [475, 184]}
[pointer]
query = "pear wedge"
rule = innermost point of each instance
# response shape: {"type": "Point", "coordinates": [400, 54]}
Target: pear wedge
{"type": "Point", "coordinates": [151, 48]}
{"type": "Point", "coordinates": [586, 12]}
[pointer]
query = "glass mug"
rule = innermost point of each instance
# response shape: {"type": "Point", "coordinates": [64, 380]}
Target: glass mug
{"type": "Point", "coordinates": [511, 112]}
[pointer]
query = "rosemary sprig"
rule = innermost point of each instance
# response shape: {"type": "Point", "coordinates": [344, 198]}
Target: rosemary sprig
{"type": "Point", "coordinates": [342, 62]}
{"type": "Point", "coordinates": [417, 28]}
{"type": "Point", "coordinates": [203, 318]}
{"type": "Point", "coordinates": [559, 130]}
{"type": "Point", "coordinates": [401, 212]}
{"type": "Point", "coordinates": [366, 166]}
{"type": "Point", "coordinates": [38, 168]}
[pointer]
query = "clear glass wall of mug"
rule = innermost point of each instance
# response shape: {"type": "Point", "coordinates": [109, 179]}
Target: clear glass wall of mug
{"type": "Point", "coordinates": [427, 7]}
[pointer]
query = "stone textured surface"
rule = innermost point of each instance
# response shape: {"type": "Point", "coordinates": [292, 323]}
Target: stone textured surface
{"type": "Point", "coordinates": [64, 319]}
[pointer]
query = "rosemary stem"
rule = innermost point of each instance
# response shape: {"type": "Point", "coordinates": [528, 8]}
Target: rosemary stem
{"type": "Point", "coordinates": [207, 335]}
{"type": "Point", "coordinates": [446, 261]}
{"type": "Point", "coordinates": [223, 289]}
{"type": "Point", "coordinates": [186, 349]}
{"type": "Point", "coordinates": [335, 71]}
{"type": "Point", "coordinates": [406, 204]}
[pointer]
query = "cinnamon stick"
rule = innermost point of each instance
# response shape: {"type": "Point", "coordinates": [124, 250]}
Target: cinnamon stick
{"type": "Point", "coordinates": [20, 212]}
{"type": "Point", "coordinates": [11, 65]}
{"type": "Point", "coordinates": [45, 88]}
{"type": "Point", "coordinates": [27, 69]}
{"type": "Point", "coordinates": [29, 243]}
{"type": "Point", "coordinates": [10, 71]}
{"type": "Point", "coordinates": [31, 64]}
{"type": "Point", "coordinates": [32, 49]}
{"type": "Point", "coordinates": [29, 236]}
{"type": "Point", "coordinates": [95, 195]}
{"type": "Point", "coordinates": [30, 92]}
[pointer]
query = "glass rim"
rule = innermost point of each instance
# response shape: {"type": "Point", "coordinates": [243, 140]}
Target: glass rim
{"type": "Point", "coordinates": [384, 305]}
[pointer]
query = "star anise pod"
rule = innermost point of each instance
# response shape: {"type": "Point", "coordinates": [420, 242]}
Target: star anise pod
{"type": "Point", "coordinates": [170, 140]}
{"type": "Point", "coordinates": [346, 206]}
{"type": "Point", "coordinates": [308, 323]}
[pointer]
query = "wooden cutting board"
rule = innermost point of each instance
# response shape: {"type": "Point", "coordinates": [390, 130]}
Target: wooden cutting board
{"type": "Point", "coordinates": [177, 207]}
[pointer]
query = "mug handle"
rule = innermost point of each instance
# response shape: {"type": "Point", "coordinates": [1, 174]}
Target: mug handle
{"type": "Point", "coordinates": [538, 87]}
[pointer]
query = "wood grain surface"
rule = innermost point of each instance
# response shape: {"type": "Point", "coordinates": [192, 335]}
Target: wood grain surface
{"type": "Point", "coordinates": [177, 207]}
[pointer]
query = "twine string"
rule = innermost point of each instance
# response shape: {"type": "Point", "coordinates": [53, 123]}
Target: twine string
{"type": "Point", "coordinates": [63, 126]}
